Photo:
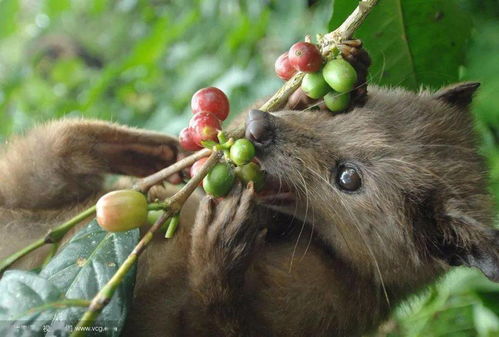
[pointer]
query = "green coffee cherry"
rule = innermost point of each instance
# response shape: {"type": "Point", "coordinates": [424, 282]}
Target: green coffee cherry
{"type": "Point", "coordinates": [153, 216]}
{"type": "Point", "coordinates": [314, 85]}
{"type": "Point", "coordinates": [242, 151]}
{"type": "Point", "coordinates": [121, 210]}
{"type": "Point", "coordinates": [219, 180]}
{"type": "Point", "coordinates": [336, 101]}
{"type": "Point", "coordinates": [251, 172]}
{"type": "Point", "coordinates": [340, 75]}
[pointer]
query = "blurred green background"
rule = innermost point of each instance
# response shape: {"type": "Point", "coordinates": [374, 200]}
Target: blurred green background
{"type": "Point", "coordinates": [139, 62]}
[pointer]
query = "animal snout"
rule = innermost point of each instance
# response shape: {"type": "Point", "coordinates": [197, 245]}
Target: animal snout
{"type": "Point", "coordinates": [259, 128]}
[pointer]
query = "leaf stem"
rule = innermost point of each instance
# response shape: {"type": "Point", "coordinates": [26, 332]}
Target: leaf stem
{"type": "Point", "coordinates": [56, 234]}
{"type": "Point", "coordinates": [17, 255]}
{"type": "Point", "coordinates": [53, 236]}
{"type": "Point", "coordinates": [53, 250]}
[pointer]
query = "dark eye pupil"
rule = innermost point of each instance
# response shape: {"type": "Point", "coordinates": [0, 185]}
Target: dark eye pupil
{"type": "Point", "coordinates": [348, 178]}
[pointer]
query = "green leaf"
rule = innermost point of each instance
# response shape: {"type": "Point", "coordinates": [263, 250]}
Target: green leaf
{"type": "Point", "coordinates": [85, 265]}
{"type": "Point", "coordinates": [482, 66]}
{"type": "Point", "coordinates": [77, 272]}
{"type": "Point", "coordinates": [28, 303]}
{"type": "Point", "coordinates": [21, 291]}
{"type": "Point", "coordinates": [411, 43]}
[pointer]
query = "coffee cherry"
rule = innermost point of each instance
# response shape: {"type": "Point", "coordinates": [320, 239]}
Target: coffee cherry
{"type": "Point", "coordinates": [186, 141]}
{"type": "Point", "coordinates": [219, 180]}
{"type": "Point", "coordinates": [314, 85]}
{"type": "Point", "coordinates": [153, 216]}
{"type": "Point", "coordinates": [197, 166]}
{"type": "Point", "coordinates": [340, 75]}
{"type": "Point", "coordinates": [306, 57]}
{"type": "Point", "coordinates": [283, 68]}
{"type": "Point", "coordinates": [251, 172]}
{"type": "Point", "coordinates": [204, 126]}
{"type": "Point", "coordinates": [242, 151]}
{"type": "Point", "coordinates": [121, 210]}
{"type": "Point", "coordinates": [336, 101]}
{"type": "Point", "coordinates": [212, 100]}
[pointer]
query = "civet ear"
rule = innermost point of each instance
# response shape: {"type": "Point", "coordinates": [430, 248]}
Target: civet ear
{"type": "Point", "coordinates": [460, 94]}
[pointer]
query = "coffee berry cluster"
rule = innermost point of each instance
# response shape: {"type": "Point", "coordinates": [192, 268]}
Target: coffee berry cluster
{"type": "Point", "coordinates": [332, 80]}
{"type": "Point", "coordinates": [128, 209]}
{"type": "Point", "coordinates": [210, 107]}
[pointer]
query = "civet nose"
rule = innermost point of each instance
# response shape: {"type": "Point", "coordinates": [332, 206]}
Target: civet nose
{"type": "Point", "coordinates": [259, 128]}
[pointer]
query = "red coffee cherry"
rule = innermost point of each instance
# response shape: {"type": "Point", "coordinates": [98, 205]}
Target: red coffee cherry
{"type": "Point", "coordinates": [306, 57]}
{"type": "Point", "coordinates": [283, 68]}
{"type": "Point", "coordinates": [212, 100]}
{"type": "Point", "coordinates": [186, 142]}
{"type": "Point", "coordinates": [204, 126]}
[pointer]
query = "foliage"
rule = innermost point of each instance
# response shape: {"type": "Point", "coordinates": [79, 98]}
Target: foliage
{"type": "Point", "coordinates": [138, 62]}
{"type": "Point", "coordinates": [144, 67]}
{"type": "Point", "coordinates": [412, 44]}
{"type": "Point", "coordinates": [32, 302]}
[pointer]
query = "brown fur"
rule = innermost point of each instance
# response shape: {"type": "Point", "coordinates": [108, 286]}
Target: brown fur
{"type": "Point", "coordinates": [57, 169]}
{"type": "Point", "coordinates": [422, 207]}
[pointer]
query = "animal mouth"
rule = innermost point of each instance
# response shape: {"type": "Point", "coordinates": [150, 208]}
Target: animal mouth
{"type": "Point", "coordinates": [276, 192]}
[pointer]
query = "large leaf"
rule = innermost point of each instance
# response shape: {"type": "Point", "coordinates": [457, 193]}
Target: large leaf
{"type": "Point", "coordinates": [483, 67]}
{"type": "Point", "coordinates": [21, 292]}
{"type": "Point", "coordinates": [79, 271]}
{"type": "Point", "coordinates": [85, 265]}
{"type": "Point", "coordinates": [411, 43]}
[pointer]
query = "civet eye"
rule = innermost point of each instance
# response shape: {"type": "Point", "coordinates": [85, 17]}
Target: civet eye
{"type": "Point", "coordinates": [348, 178]}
